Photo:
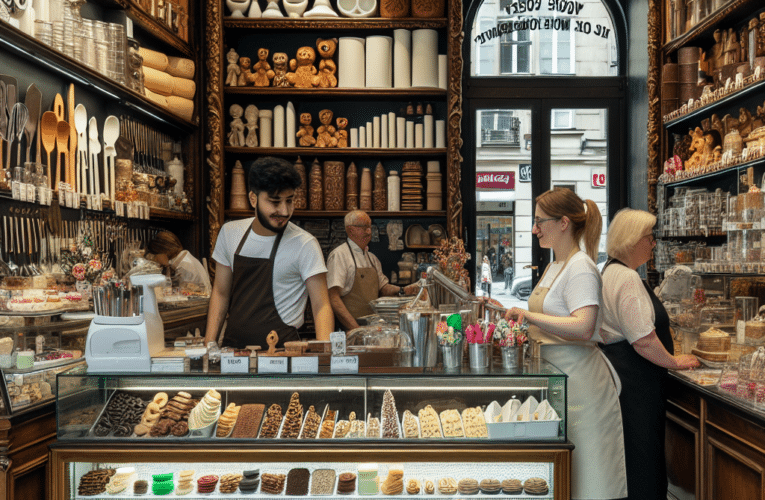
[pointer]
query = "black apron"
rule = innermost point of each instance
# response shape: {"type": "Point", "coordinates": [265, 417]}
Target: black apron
{"type": "Point", "coordinates": [642, 401]}
{"type": "Point", "coordinates": [252, 311]}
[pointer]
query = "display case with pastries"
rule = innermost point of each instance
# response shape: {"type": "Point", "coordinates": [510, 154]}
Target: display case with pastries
{"type": "Point", "coordinates": [33, 350]}
{"type": "Point", "coordinates": [357, 426]}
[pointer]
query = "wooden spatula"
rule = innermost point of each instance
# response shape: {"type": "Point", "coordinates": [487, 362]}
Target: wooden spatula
{"type": "Point", "coordinates": [48, 131]}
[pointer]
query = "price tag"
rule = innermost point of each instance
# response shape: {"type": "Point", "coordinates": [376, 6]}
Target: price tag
{"type": "Point", "coordinates": [337, 340]}
{"type": "Point", "coordinates": [305, 364]}
{"type": "Point", "coordinates": [272, 364]}
{"type": "Point", "coordinates": [344, 364]}
{"type": "Point", "coordinates": [234, 364]}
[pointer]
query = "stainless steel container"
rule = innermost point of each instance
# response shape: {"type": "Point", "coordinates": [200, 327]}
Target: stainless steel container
{"type": "Point", "coordinates": [479, 356]}
{"type": "Point", "coordinates": [452, 356]}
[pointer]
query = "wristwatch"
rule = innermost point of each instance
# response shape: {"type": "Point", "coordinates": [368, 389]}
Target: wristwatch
{"type": "Point", "coordinates": [401, 291]}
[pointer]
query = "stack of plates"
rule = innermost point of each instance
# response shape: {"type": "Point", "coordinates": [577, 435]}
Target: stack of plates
{"type": "Point", "coordinates": [387, 307]}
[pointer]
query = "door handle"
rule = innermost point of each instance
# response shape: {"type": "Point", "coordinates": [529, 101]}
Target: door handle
{"type": "Point", "coordinates": [535, 268]}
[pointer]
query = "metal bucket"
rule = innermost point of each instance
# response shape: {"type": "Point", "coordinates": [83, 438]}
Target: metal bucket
{"type": "Point", "coordinates": [479, 356]}
{"type": "Point", "coordinates": [420, 326]}
{"type": "Point", "coordinates": [511, 357]}
{"type": "Point", "coordinates": [452, 356]}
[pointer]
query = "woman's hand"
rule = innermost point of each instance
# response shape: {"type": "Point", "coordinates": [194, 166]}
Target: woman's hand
{"type": "Point", "coordinates": [686, 361]}
{"type": "Point", "coordinates": [516, 314]}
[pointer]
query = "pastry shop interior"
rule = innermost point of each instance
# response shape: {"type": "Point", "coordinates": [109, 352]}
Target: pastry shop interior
{"type": "Point", "coordinates": [111, 215]}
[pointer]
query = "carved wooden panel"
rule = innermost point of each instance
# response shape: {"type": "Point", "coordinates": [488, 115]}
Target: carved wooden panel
{"type": "Point", "coordinates": [454, 205]}
{"type": "Point", "coordinates": [214, 102]}
{"type": "Point", "coordinates": [733, 471]}
{"type": "Point", "coordinates": [655, 130]}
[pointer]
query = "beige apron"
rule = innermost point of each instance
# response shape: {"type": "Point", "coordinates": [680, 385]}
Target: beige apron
{"type": "Point", "coordinates": [594, 419]}
{"type": "Point", "coordinates": [366, 288]}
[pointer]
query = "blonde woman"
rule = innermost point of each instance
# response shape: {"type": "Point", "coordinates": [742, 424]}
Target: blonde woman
{"type": "Point", "coordinates": [637, 341]}
{"type": "Point", "coordinates": [564, 315]}
{"type": "Point", "coordinates": [486, 276]}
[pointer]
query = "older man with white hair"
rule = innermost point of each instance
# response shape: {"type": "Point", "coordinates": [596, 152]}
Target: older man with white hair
{"type": "Point", "coordinates": [355, 276]}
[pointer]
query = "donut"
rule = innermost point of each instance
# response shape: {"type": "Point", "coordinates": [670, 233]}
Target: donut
{"type": "Point", "coordinates": [160, 399]}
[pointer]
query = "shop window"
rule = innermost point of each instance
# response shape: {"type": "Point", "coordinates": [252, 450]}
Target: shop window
{"type": "Point", "coordinates": [562, 119]}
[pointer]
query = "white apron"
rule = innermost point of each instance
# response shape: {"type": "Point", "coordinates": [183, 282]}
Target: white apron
{"type": "Point", "coordinates": [594, 420]}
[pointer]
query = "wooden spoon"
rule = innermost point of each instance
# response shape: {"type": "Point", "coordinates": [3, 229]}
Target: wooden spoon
{"type": "Point", "coordinates": [58, 107]}
{"type": "Point", "coordinates": [48, 126]}
{"type": "Point", "coordinates": [62, 141]}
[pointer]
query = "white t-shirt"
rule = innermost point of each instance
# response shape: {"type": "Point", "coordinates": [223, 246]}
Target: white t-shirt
{"type": "Point", "coordinates": [574, 287]}
{"type": "Point", "coordinates": [627, 309]}
{"type": "Point", "coordinates": [342, 271]}
{"type": "Point", "coordinates": [298, 258]}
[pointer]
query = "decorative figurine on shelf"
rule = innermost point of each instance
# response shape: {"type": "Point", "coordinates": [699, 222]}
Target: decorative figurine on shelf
{"type": "Point", "coordinates": [281, 62]}
{"type": "Point", "coordinates": [305, 134]}
{"type": "Point", "coordinates": [321, 8]}
{"type": "Point", "coordinates": [236, 135]}
{"type": "Point", "coordinates": [352, 188]}
{"type": "Point", "coordinates": [697, 149]}
{"type": "Point", "coordinates": [251, 114]}
{"type": "Point", "coordinates": [395, 230]}
{"type": "Point", "coordinates": [732, 48]}
{"type": "Point", "coordinates": [263, 74]}
{"type": "Point", "coordinates": [327, 68]}
{"type": "Point", "coordinates": [745, 122]}
{"type": "Point", "coordinates": [273, 10]}
{"type": "Point", "coordinates": [233, 70]}
{"type": "Point", "coordinates": [380, 191]}
{"type": "Point", "coordinates": [254, 10]}
{"type": "Point", "coordinates": [326, 131]}
{"type": "Point", "coordinates": [301, 192]}
{"type": "Point", "coordinates": [315, 187]}
{"type": "Point", "coordinates": [357, 9]}
{"type": "Point", "coordinates": [295, 8]}
{"type": "Point", "coordinates": [237, 7]}
{"type": "Point", "coordinates": [302, 68]}
{"type": "Point", "coordinates": [341, 134]}
{"type": "Point", "coordinates": [245, 75]}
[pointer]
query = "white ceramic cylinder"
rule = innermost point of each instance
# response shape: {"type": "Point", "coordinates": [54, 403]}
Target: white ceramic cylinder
{"type": "Point", "coordinates": [428, 131]}
{"type": "Point", "coordinates": [419, 140]}
{"type": "Point", "coordinates": [351, 71]}
{"type": "Point", "coordinates": [354, 137]}
{"type": "Point", "coordinates": [402, 58]}
{"type": "Point", "coordinates": [291, 125]}
{"type": "Point", "coordinates": [440, 133]}
{"type": "Point", "coordinates": [391, 129]}
{"type": "Point", "coordinates": [279, 126]}
{"type": "Point", "coordinates": [266, 117]}
{"type": "Point", "coordinates": [370, 135]}
{"type": "Point", "coordinates": [425, 58]}
{"type": "Point", "coordinates": [443, 71]}
{"type": "Point", "coordinates": [42, 10]}
{"type": "Point", "coordinates": [384, 131]}
{"type": "Point", "coordinates": [394, 191]}
{"type": "Point", "coordinates": [409, 134]}
{"type": "Point", "coordinates": [362, 137]}
{"type": "Point", "coordinates": [400, 132]}
{"type": "Point", "coordinates": [379, 62]}
{"type": "Point", "coordinates": [376, 132]}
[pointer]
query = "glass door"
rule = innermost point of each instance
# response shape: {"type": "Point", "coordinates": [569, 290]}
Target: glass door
{"type": "Point", "coordinates": [522, 149]}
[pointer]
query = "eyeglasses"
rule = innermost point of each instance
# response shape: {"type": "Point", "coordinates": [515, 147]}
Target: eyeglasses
{"type": "Point", "coordinates": [538, 222]}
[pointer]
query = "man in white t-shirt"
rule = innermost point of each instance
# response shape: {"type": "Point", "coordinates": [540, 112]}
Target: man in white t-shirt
{"type": "Point", "coordinates": [355, 275]}
{"type": "Point", "coordinates": [267, 268]}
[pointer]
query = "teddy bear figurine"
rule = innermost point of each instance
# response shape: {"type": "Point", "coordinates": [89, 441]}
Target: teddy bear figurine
{"type": "Point", "coordinates": [263, 73]}
{"type": "Point", "coordinates": [341, 134]}
{"type": "Point", "coordinates": [280, 70]}
{"type": "Point", "coordinates": [236, 136]}
{"type": "Point", "coordinates": [305, 134]}
{"type": "Point", "coordinates": [302, 68]}
{"type": "Point", "coordinates": [232, 70]}
{"type": "Point", "coordinates": [245, 74]}
{"type": "Point", "coordinates": [326, 131]}
{"type": "Point", "coordinates": [327, 67]}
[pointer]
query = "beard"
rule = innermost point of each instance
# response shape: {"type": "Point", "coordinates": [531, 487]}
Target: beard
{"type": "Point", "coordinates": [267, 223]}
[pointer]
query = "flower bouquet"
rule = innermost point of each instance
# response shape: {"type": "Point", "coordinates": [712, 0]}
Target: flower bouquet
{"type": "Point", "coordinates": [83, 263]}
{"type": "Point", "coordinates": [450, 338]}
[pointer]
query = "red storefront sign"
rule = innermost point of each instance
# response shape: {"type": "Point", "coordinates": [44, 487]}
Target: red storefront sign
{"type": "Point", "coordinates": [495, 180]}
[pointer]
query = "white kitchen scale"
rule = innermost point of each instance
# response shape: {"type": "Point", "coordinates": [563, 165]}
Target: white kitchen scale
{"type": "Point", "coordinates": [118, 344]}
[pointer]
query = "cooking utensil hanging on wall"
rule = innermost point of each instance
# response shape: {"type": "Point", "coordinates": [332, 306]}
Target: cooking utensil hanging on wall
{"type": "Point", "coordinates": [48, 131]}
{"type": "Point", "coordinates": [33, 102]}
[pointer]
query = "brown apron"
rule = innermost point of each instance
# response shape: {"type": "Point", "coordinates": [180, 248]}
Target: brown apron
{"type": "Point", "coordinates": [366, 288]}
{"type": "Point", "coordinates": [252, 311]}
{"type": "Point", "coordinates": [593, 416]}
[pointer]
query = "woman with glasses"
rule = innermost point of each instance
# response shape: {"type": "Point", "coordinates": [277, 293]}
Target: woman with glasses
{"type": "Point", "coordinates": [564, 316]}
{"type": "Point", "coordinates": [637, 341]}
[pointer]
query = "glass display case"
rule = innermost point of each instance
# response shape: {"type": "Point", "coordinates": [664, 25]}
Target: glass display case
{"type": "Point", "coordinates": [458, 434]}
{"type": "Point", "coordinates": [33, 350]}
